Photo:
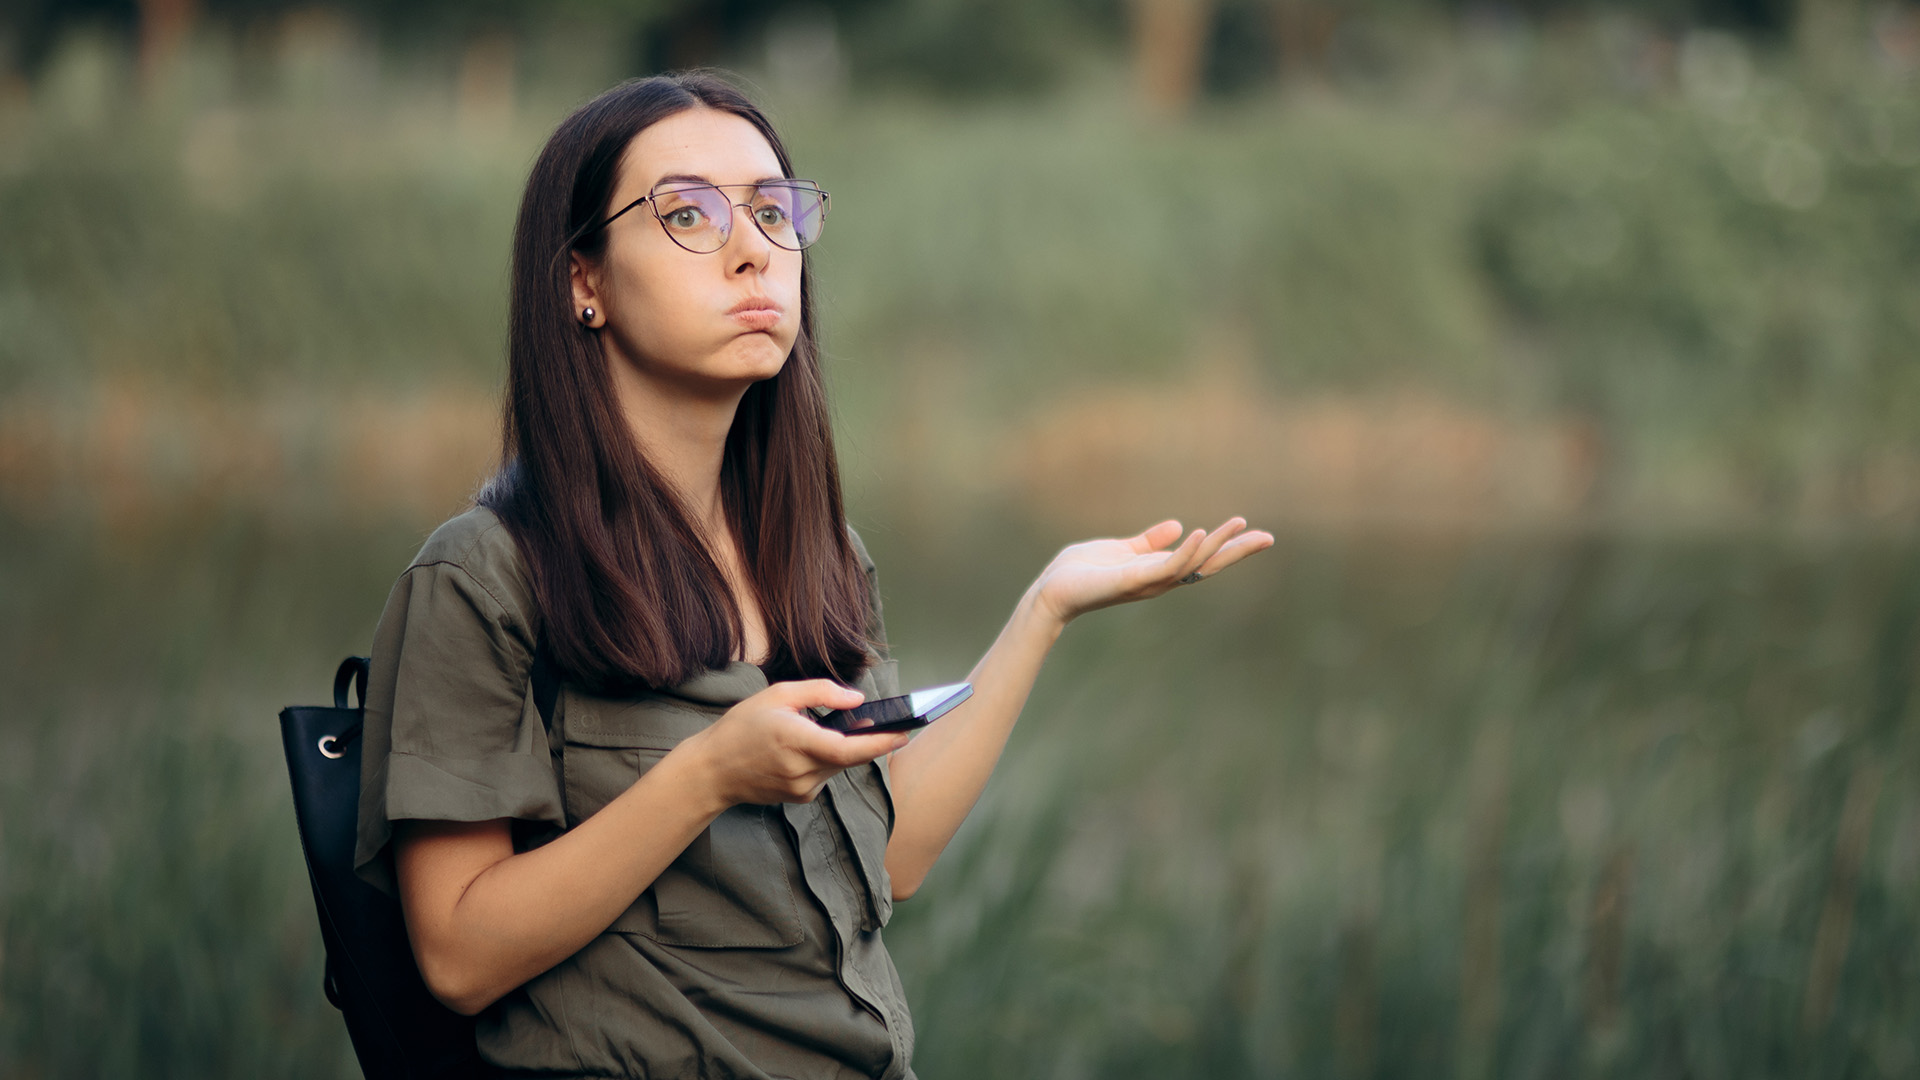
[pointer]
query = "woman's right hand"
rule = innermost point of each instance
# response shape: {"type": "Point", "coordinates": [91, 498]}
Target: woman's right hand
{"type": "Point", "coordinates": [768, 748]}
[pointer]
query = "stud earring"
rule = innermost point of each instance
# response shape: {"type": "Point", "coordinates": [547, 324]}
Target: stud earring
{"type": "Point", "coordinates": [587, 316]}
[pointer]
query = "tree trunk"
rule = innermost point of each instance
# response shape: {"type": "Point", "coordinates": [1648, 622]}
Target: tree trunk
{"type": "Point", "coordinates": [1169, 45]}
{"type": "Point", "coordinates": [163, 29]}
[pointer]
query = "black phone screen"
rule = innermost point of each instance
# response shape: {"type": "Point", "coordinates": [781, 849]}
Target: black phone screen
{"type": "Point", "coordinates": [872, 717]}
{"type": "Point", "coordinates": [903, 713]}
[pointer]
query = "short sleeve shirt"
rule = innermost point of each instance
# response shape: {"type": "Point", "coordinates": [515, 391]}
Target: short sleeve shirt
{"type": "Point", "coordinates": [756, 954]}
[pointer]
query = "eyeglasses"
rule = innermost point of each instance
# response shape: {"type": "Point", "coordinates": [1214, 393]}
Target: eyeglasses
{"type": "Point", "coordinates": [699, 216]}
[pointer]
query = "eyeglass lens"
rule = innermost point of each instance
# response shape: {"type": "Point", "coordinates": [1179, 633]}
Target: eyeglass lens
{"type": "Point", "coordinates": [699, 217]}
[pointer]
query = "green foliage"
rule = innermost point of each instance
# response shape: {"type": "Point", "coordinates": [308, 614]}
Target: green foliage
{"type": "Point", "coordinates": [1053, 244]}
{"type": "Point", "coordinates": [1723, 279]}
{"type": "Point", "coordinates": [1047, 242]}
{"type": "Point", "coordinates": [1740, 265]}
{"type": "Point", "coordinates": [231, 249]}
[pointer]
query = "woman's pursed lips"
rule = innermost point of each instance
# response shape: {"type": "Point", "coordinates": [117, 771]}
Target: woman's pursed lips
{"type": "Point", "coordinates": [756, 313]}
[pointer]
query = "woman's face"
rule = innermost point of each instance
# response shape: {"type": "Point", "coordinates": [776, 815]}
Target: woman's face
{"type": "Point", "coordinates": [706, 324]}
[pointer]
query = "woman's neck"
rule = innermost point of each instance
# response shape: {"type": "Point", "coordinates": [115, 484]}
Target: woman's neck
{"type": "Point", "coordinates": [682, 429]}
{"type": "Point", "coordinates": [683, 433]}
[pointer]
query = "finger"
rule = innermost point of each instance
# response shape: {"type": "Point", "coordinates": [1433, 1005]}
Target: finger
{"type": "Point", "coordinates": [821, 745]}
{"type": "Point", "coordinates": [877, 745]}
{"type": "Point", "coordinates": [839, 750]}
{"type": "Point", "coordinates": [807, 693]}
{"type": "Point", "coordinates": [1150, 569]}
{"type": "Point", "coordinates": [1215, 541]}
{"type": "Point", "coordinates": [1180, 560]}
{"type": "Point", "coordinates": [1238, 548]}
{"type": "Point", "coordinates": [1155, 538]}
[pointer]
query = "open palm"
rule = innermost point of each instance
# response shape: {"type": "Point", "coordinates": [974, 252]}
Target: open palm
{"type": "Point", "coordinates": [1100, 573]}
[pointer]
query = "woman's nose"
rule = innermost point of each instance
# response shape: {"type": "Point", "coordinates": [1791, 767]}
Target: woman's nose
{"type": "Point", "coordinates": [747, 246]}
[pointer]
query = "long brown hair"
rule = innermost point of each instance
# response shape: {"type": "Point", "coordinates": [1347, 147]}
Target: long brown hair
{"type": "Point", "coordinates": [630, 597]}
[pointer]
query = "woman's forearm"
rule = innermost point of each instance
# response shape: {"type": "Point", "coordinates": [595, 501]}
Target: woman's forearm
{"type": "Point", "coordinates": [939, 776]}
{"type": "Point", "coordinates": [484, 920]}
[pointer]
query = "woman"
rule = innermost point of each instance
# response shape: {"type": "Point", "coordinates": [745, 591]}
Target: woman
{"type": "Point", "coordinates": [677, 872]}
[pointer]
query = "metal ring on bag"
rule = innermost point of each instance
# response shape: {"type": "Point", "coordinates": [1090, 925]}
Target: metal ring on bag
{"type": "Point", "coordinates": [328, 750]}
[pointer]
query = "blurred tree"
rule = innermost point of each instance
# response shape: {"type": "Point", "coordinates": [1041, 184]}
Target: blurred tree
{"type": "Point", "coordinates": [37, 25]}
{"type": "Point", "coordinates": [1253, 43]}
{"type": "Point", "coordinates": [970, 47]}
{"type": "Point", "coordinates": [1827, 32]}
{"type": "Point", "coordinates": [1179, 49]}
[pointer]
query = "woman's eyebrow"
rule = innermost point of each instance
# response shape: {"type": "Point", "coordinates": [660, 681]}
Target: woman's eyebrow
{"type": "Point", "coordinates": [691, 178]}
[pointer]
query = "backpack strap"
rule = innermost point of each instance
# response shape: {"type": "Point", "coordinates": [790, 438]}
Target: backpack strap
{"type": "Point", "coordinates": [352, 674]}
{"type": "Point", "coordinates": [546, 683]}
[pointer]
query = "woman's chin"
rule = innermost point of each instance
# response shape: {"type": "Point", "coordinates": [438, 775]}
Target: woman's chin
{"type": "Point", "coordinates": [754, 362]}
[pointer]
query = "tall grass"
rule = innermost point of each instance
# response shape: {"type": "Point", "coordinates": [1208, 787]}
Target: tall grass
{"type": "Point", "coordinates": [1387, 807]}
{"type": "Point", "coordinates": [1400, 809]}
{"type": "Point", "coordinates": [154, 913]}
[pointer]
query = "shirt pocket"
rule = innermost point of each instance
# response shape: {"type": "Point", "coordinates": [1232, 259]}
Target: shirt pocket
{"type": "Point", "coordinates": [729, 888]}
{"type": "Point", "coordinates": [609, 744]}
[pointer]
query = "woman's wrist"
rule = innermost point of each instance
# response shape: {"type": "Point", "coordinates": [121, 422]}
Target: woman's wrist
{"type": "Point", "coordinates": [1037, 613]}
{"type": "Point", "coordinates": [692, 771]}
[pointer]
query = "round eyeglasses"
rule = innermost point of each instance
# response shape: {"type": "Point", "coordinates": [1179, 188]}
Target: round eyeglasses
{"type": "Point", "coordinates": [699, 216]}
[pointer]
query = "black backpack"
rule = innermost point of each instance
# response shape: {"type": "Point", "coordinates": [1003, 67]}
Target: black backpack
{"type": "Point", "coordinates": [399, 1030]}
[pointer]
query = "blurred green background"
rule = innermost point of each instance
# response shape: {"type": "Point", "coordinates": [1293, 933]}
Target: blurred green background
{"type": "Point", "coordinates": [1571, 349]}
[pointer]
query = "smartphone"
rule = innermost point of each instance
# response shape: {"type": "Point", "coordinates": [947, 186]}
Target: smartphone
{"type": "Point", "coordinates": [903, 713]}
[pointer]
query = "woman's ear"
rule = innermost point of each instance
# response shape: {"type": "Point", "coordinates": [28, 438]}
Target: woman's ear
{"type": "Point", "coordinates": [586, 292]}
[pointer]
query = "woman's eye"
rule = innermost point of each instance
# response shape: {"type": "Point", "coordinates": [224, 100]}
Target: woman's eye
{"type": "Point", "coordinates": [686, 217]}
{"type": "Point", "coordinates": [771, 216]}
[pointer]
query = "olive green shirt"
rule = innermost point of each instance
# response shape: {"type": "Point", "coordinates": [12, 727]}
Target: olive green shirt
{"type": "Point", "coordinates": [755, 954]}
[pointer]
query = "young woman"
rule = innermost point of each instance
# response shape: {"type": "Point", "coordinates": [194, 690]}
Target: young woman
{"type": "Point", "coordinates": [679, 873]}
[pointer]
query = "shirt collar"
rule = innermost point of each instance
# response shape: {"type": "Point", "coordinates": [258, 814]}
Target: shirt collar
{"type": "Point", "coordinates": [728, 685]}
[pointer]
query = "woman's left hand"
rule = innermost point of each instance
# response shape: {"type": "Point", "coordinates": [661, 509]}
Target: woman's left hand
{"type": "Point", "coordinates": [937, 778]}
{"type": "Point", "coordinates": [1100, 573]}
